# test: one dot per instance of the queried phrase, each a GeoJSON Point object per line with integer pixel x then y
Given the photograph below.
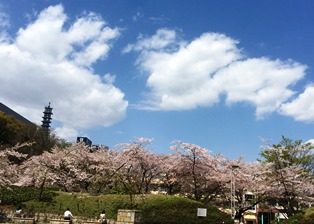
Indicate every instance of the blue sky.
{"type": "Point", "coordinates": [219, 74]}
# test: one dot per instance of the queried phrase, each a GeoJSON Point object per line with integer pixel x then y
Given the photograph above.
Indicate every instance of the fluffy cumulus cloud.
{"type": "Point", "coordinates": [181, 74]}
{"type": "Point", "coordinates": [262, 82]}
{"type": "Point", "coordinates": [184, 75]}
{"type": "Point", "coordinates": [301, 108]}
{"type": "Point", "coordinates": [48, 61]}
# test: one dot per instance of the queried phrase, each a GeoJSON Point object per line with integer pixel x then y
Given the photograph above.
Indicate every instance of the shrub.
{"type": "Point", "coordinates": [304, 217]}
{"type": "Point", "coordinates": [84, 205]}
{"type": "Point", "coordinates": [156, 209]}
{"type": "Point", "coordinates": [17, 195]}
{"type": "Point", "coordinates": [173, 210]}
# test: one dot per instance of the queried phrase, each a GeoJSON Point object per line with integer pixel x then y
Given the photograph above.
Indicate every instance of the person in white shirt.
{"type": "Point", "coordinates": [102, 216]}
{"type": "Point", "coordinates": [18, 212]}
{"type": "Point", "coordinates": [67, 215]}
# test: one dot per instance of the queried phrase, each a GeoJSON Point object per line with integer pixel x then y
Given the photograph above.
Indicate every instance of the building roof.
{"type": "Point", "coordinates": [9, 111]}
{"type": "Point", "coordinates": [250, 217]}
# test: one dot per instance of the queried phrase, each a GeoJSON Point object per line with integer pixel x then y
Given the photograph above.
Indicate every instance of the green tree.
{"type": "Point", "coordinates": [10, 129]}
{"type": "Point", "coordinates": [289, 152]}
{"type": "Point", "coordinates": [290, 176]}
{"type": "Point", "coordinates": [13, 132]}
{"type": "Point", "coordinates": [41, 141]}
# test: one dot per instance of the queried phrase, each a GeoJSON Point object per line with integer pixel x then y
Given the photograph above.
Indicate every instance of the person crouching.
{"type": "Point", "coordinates": [68, 215]}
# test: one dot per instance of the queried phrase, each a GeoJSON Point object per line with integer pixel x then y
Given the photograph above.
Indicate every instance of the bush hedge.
{"type": "Point", "coordinates": [17, 195]}
{"type": "Point", "coordinates": [156, 209]}
{"type": "Point", "coordinates": [305, 217]}
{"type": "Point", "coordinates": [171, 210]}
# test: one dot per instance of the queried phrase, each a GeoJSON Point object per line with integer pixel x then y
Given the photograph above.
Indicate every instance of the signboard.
{"type": "Point", "coordinates": [202, 212]}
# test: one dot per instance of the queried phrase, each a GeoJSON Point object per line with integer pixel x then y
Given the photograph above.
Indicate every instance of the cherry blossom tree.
{"type": "Point", "coordinates": [8, 169]}
{"type": "Point", "coordinates": [149, 169]}
{"type": "Point", "coordinates": [169, 177]}
{"type": "Point", "coordinates": [105, 166]}
{"type": "Point", "coordinates": [78, 167]}
{"type": "Point", "coordinates": [249, 179]}
{"type": "Point", "coordinates": [141, 166]}
{"type": "Point", "coordinates": [286, 174]}
{"type": "Point", "coordinates": [200, 174]}
{"type": "Point", "coordinates": [69, 168]}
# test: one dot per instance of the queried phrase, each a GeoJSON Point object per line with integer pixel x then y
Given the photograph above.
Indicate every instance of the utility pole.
{"type": "Point", "coordinates": [232, 191]}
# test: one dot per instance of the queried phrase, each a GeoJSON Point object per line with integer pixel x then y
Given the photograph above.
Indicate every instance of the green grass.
{"type": "Point", "coordinates": [156, 209]}
{"type": "Point", "coordinates": [159, 209]}
{"type": "Point", "coordinates": [81, 204]}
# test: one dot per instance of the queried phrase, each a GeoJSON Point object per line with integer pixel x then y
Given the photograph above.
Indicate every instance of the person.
{"type": "Point", "coordinates": [18, 212]}
{"type": "Point", "coordinates": [102, 217]}
{"type": "Point", "coordinates": [67, 215]}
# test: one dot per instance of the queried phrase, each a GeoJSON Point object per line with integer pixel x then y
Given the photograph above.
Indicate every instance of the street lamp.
{"type": "Point", "coordinates": [232, 189]}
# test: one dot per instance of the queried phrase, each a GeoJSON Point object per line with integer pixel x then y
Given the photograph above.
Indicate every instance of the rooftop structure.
{"type": "Point", "coordinates": [8, 111]}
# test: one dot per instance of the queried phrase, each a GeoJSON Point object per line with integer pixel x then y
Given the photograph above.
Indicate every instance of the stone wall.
{"type": "Point", "coordinates": [24, 220]}
{"type": "Point", "coordinates": [124, 217]}
{"type": "Point", "coordinates": [128, 217]}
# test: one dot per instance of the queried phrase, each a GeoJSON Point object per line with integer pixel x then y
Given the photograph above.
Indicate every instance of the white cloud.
{"type": "Point", "coordinates": [301, 108]}
{"type": "Point", "coordinates": [4, 24]}
{"type": "Point", "coordinates": [185, 75]}
{"type": "Point", "coordinates": [259, 81]}
{"type": "Point", "coordinates": [86, 41]}
{"type": "Point", "coordinates": [48, 62]}
{"type": "Point", "coordinates": [4, 20]}
{"type": "Point", "coordinates": [162, 39]}
{"type": "Point", "coordinates": [44, 39]}
{"type": "Point", "coordinates": [109, 78]}
{"type": "Point", "coordinates": [66, 133]}
{"type": "Point", "coordinates": [183, 79]}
